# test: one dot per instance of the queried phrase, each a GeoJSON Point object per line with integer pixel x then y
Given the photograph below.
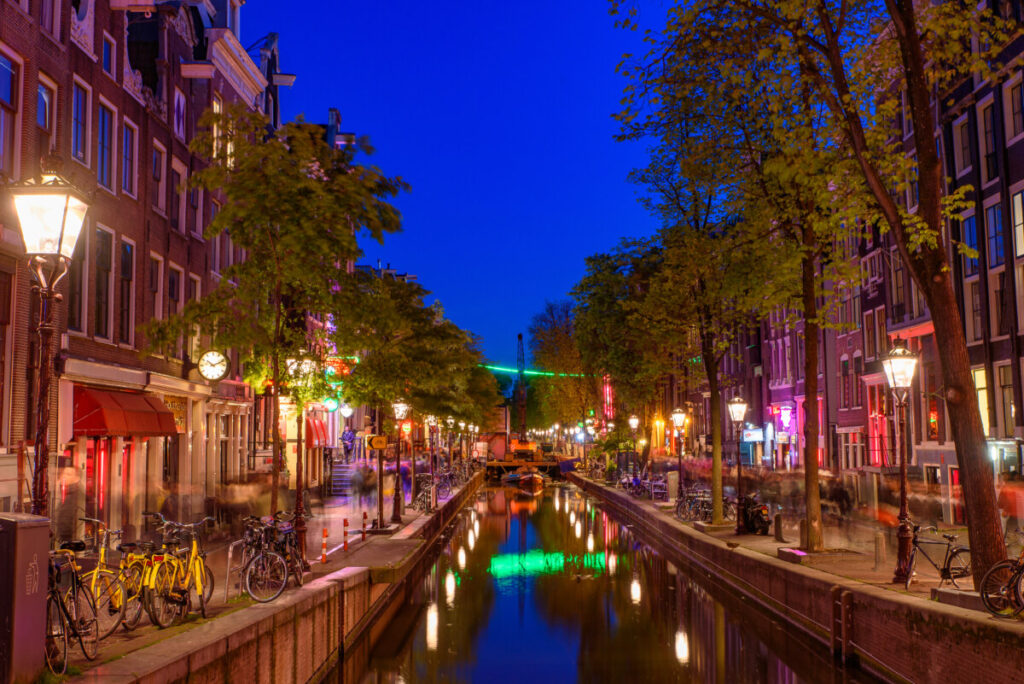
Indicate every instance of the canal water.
{"type": "Point", "coordinates": [551, 588]}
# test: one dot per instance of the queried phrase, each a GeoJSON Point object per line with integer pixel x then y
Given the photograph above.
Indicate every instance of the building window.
{"type": "Point", "coordinates": [218, 109]}
{"type": "Point", "coordinates": [126, 294]}
{"type": "Point", "coordinates": [195, 202]}
{"type": "Point", "coordinates": [179, 204]}
{"type": "Point", "coordinates": [109, 50]}
{"type": "Point", "coordinates": [129, 173]}
{"type": "Point", "coordinates": [101, 292]}
{"type": "Point", "coordinates": [869, 334]}
{"type": "Point", "coordinates": [971, 242]}
{"type": "Point", "coordinates": [194, 285]}
{"type": "Point", "coordinates": [45, 102]}
{"type": "Point", "coordinates": [1017, 216]}
{"type": "Point", "coordinates": [1016, 118]}
{"type": "Point", "coordinates": [175, 279]}
{"type": "Point", "coordinates": [1000, 317]}
{"type": "Point", "coordinates": [981, 385]}
{"type": "Point", "coordinates": [858, 385]}
{"type": "Point", "coordinates": [974, 291]}
{"type": "Point", "coordinates": [159, 179]}
{"type": "Point", "coordinates": [49, 17]}
{"type": "Point", "coordinates": [844, 401]}
{"type": "Point", "coordinates": [994, 226]}
{"type": "Point", "coordinates": [989, 133]}
{"type": "Point", "coordinates": [79, 123]}
{"type": "Point", "coordinates": [1006, 399]}
{"type": "Point", "coordinates": [179, 114]}
{"type": "Point", "coordinates": [156, 286]}
{"type": "Point", "coordinates": [8, 113]}
{"type": "Point", "coordinates": [105, 148]}
{"type": "Point", "coordinates": [963, 140]}
{"type": "Point", "coordinates": [76, 285]}
{"type": "Point", "coordinates": [898, 286]}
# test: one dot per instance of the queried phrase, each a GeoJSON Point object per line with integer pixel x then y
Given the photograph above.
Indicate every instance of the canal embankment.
{"type": "Point", "coordinates": [889, 633]}
{"type": "Point", "coordinates": [305, 632]}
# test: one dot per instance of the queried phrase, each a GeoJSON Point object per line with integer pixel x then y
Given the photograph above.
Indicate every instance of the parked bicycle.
{"type": "Point", "coordinates": [1002, 587]}
{"type": "Point", "coordinates": [286, 543]}
{"type": "Point", "coordinates": [110, 589]}
{"type": "Point", "coordinates": [425, 485]}
{"type": "Point", "coordinates": [70, 613]}
{"type": "Point", "coordinates": [180, 576]}
{"type": "Point", "coordinates": [264, 570]}
{"type": "Point", "coordinates": [956, 562]}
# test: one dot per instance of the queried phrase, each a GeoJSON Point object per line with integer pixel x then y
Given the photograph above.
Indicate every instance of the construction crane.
{"type": "Point", "coordinates": [521, 388]}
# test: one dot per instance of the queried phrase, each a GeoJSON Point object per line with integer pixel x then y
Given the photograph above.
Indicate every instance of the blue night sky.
{"type": "Point", "coordinates": [499, 116]}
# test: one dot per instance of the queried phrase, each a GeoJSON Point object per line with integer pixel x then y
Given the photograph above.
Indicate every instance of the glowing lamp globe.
{"type": "Point", "coordinates": [634, 422]}
{"type": "Point", "coordinates": [401, 409]}
{"type": "Point", "coordinates": [899, 366]}
{"type": "Point", "coordinates": [331, 404]}
{"type": "Point", "coordinates": [346, 411]}
{"type": "Point", "coordinates": [678, 418]}
{"type": "Point", "coordinates": [450, 421]}
{"type": "Point", "coordinates": [51, 213]}
{"type": "Point", "coordinates": [737, 409]}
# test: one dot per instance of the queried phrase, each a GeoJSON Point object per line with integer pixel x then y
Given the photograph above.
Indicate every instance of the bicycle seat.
{"type": "Point", "coordinates": [285, 527]}
{"type": "Point", "coordinates": [950, 537]}
{"type": "Point", "coordinates": [127, 547]}
{"type": "Point", "coordinates": [75, 545]}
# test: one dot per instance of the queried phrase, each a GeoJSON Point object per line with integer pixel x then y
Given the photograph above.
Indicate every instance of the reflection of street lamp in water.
{"type": "Point", "coordinates": [634, 591]}
{"type": "Point", "coordinates": [432, 627]}
{"type": "Point", "coordinates": [462, 559]}
{"type": "Point", "coordinates": [682, 647]}
{"type": "Point", "coordinates": [449, 588]}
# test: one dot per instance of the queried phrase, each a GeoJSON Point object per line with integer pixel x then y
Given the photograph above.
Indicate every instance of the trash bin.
{"type": "Point", "coordinates": [24, 554]}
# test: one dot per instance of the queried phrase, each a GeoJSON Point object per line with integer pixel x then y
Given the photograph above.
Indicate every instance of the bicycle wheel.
{"type": "Point", "coordinates": [201, 599]}
{"type": "Point", "coordinates": [728, 510]}
{"type": "Point", "coordinates": [997, 594]}
{"type": "Point", "coordinates": [265, 576]}
{"type": "Point", "coordinates": [82, 608]}
{"type": "Point", "coordinates": [960, 567]}
{"type": "Point", "coordinates": [56, 636]}
{"type": "Point", "coordinates": [910, 568]}
{"type": "Point", "coordinates": [166, 601]}
{"type": "Point", "coordinates": [109, 596]}
{"type": "Point", "coordinates": [444, 489]}
{"type": "Point", "coordinates": [132, 581]}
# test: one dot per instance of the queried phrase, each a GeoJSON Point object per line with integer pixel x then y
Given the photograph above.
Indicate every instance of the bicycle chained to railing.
{"type": "Point", "coordinates": [425, 486]}
{"type": "Point", "coordinates": [956, 562]}
{"type": "Point", "coordinates": [695, 504]}
{"type": "Point", "coordinates": [1002, 587]}
{"type": "Point", "coordinates": [179, 577]}
{"type": "Point", "coordinates": [70, 613]}
{"type": "Point", "coordinates": [264, 570]}
{"type": "Point", "coordinates": [286, 543]}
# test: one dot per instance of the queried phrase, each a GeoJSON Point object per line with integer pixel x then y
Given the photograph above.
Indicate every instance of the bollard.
{"type": "Point", "coordinates": [345, 537]}
{"type": "Point", "coordinates": [880, 550]}
{"type": "Point", "coordinates": [364, 526]}
{"type": "Point", "coordinates": [803, 533]}
{"type": "Point", "coordinates": [778, 528]}
{"type": "Point", "coordinates": [323, 548]}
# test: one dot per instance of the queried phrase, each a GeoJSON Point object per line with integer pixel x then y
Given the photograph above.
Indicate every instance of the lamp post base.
{"type": "Point", "coordinates": [904, 543]}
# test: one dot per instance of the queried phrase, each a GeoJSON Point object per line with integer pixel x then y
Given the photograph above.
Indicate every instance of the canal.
{"type": "Point", "coordinates": [552, 588]}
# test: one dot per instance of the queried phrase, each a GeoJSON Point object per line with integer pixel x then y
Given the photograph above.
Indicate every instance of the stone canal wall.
{"type": "Point", "coordinates": [894, 635]}
{"type": "Point", "coordinates": [297, 638]}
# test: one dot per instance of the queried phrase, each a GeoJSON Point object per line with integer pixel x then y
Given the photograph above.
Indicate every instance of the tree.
{"type": "Point", "coordinates": [856, 64]}
{"type": "Point", "coordinates": [565, 397]}
{"type": "Point", "coordinates": [294, 206]}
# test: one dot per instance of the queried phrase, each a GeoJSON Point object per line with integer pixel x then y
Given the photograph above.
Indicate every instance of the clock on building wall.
{"type": "Point", "coordinates": [213, 365]}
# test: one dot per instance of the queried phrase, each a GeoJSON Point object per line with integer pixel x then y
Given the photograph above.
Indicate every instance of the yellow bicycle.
{"type": "Point", "coordinates": [178, 578]}
{"type": "Point", "coordinates": [118, 591]}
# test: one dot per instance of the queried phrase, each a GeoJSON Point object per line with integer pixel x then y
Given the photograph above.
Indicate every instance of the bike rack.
{"type": "Point", "coordinates": [230, 570]}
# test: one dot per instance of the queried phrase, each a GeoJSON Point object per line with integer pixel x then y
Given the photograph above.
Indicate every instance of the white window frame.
{"type": "Point", "coordinates": [83, 313]}
{"type": "Point", "coordinates": [158, 314]}
{"type": "Point", "coordinates": [993, 281]}
{"type": "Point", "coordinates": [87, 141]}
{"type": "Point", "coordinates": [110, 284]}
{"type": "Point", "coordinates": [134, 194]}
{"type": "Point", "coordinates": [983, 104]}
{"type": "Point", "coordinates": [52, 32]}
{"type": "Point", "coordinates": [958, 124]}
{"type": "Point", "coordinates": [49, 83]}
{"type": "Point", "coordinates": [973, 336]}
{"type": "Point", "coordinates": [1008, 109]}
{"type": "Point", "coordinates": [183, 133]}
{"type": "Point", "coordinates": [109, 40]}
{"type": "Point", "coordinates": [178, 166]}
{"type": "Point", "coordinates": [19, 110]}
{"type": "Point", "coordinates": [130, 344]}
{"type": "Point", "coordinates": [194, 278]}
{"type": "Point", "coordinates": [161, 206]}
{"type": "Point", "coordinates": [114, 128]}
{"type": "Point", "coordinates": [171, 266]}
{"type": "Point", "coordinates": [198, 215]}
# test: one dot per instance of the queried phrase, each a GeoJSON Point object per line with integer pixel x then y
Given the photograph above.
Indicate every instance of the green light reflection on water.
{"type": "Point", "coordinates": [538, 562]}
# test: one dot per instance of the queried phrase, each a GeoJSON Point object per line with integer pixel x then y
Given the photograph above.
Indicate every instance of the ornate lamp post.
{"type": "Point", "coordinates": [462, 440]}
{"type": "Point", "coordinates": [737, 411]}
{"type": "Point", "coordinates": [899, 367]}
{"type": "Point", "coordinates": [299, 371]}
{"type": "Point", "coordinates": [51, 213]}
{"type": "Point", "coordinates": [401, 410]}
{"type": "Point", "coordinates": [634, 423]}
{"type": "Point", "coordinates": [679, 421]}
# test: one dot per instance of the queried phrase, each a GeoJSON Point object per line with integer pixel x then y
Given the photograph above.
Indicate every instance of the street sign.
{"type": "Point", "coordinates": [379, 442]}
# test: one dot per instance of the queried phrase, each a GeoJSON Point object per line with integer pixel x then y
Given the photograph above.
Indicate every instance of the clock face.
{"type": "Point", "coordinates": [213, 365]}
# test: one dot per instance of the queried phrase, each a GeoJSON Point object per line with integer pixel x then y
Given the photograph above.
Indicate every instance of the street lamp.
{"type": "Point", "coordinates": [634, 423]}
{"type": "Point", "coordinates": [679, 421]}
{"type": "Point", "coordinates": [345, 411]}
{"type": "Point", "coordinates": [51, 212]}
{"type": "Point", "coordinates": [737, 411]}
{"type": "Point", "coordinates": [401, 410]}
{"type": "Point", "coordinates": [899, 366]}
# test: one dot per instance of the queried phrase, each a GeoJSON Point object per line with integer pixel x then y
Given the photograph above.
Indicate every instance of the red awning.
{"type": "Point", "coordinates": [312, 434]}
{"type": "Point", "coordinates": [323, 432]}
{"type": "Point", "coordinates": [99, 413]}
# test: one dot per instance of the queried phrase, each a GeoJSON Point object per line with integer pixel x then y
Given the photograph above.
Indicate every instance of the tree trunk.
{"type": "Point", "coordinates": [984, 526]}
{"type": "Point", "coordinates": [377, 430]}
{"type": "Point", "coordinates": [275, 470]}
{"type": "Point", "coordinates": [300, 486]}
{"type": "Point", "coordinates": [707, 352]}
{"type": "Point", "coordinates": [815, 537]}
